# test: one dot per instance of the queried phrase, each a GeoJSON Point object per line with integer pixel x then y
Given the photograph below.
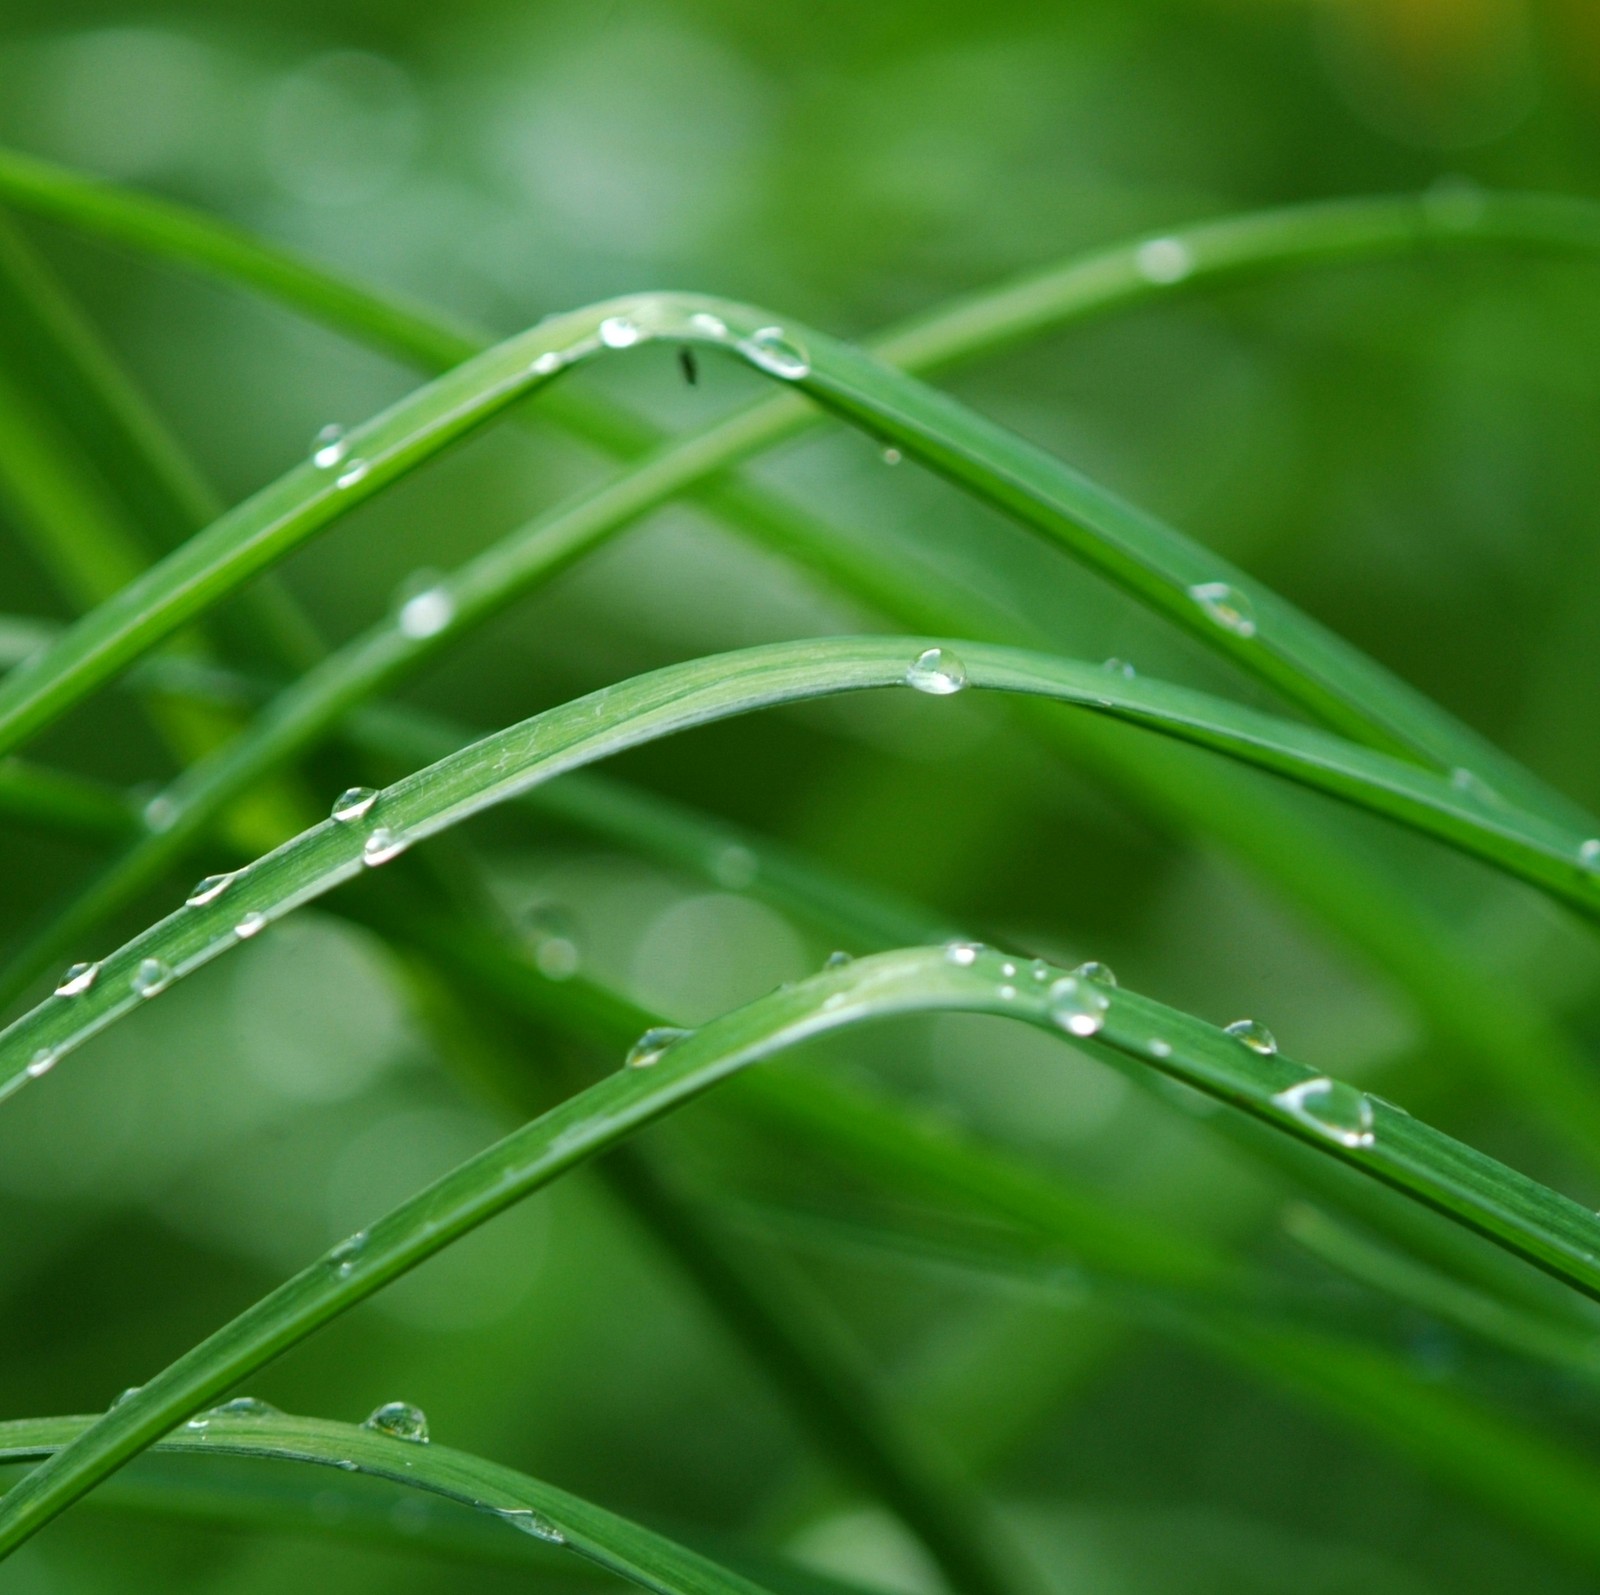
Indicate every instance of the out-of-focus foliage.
{"type": "Point", "coordinates": [1406, 449]}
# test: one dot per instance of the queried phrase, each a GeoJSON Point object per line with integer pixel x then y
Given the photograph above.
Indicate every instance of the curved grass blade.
{"type": "Point", "coordinates": [681, 696]}
{"type": "Point", "coordinates": [526, 1504]}
{"type": "Point", "coordinates": [1382, 1141]}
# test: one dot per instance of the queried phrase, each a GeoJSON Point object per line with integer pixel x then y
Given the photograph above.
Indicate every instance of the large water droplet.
{"type": "Point", "coordinates": [527, 1521]}
{"type": "Point", "coordinates": [353, 804]}
{"type": "Point", "coordinates": [424, 606]}
{"type": "Point", "coordinates": [1331, 1108]}
{"type": "Point", "coordinates": [328, 447]}
{"type": "Point", "coordinates": [209, 890]}
{"type": "Point", "coordinates": [936, 671]}
{"type": "Point", "coordinates": [1227, 606]}
{"type": "Point", "coordinates": [1163, 260]}
{"type": "Point", "coordinates": [352, 473]}
{"type": "Point", "coordinates": [344, 1257]}
{"type": "Point", "coordinates": [1078, 1006]}
{"type": "Point", "coordinates": [151, 978]}
{"type": "Point", "coordinates": [776, 353]}
{"type": "Point", "coordinates": [400, 1421]}
{"type": "Point", "coordinates": [77, 980]}
{"type": "Point", "coordinates": [652, 1046]}
{"type": "Point", "coordinates": [1589, 855]}
{"type": "Point", "coordinates": [245, 1407]}
{"type": "Point", "coordinates": [251, 924]}
{"type": "Point", "coordinates": [1253, 1034]}
{"type": "Point", "coordinates": [620, 332]}
{"type": "Point", "coordinates": [382, 846]}
{"type": "Point", "coordinates": [1093, 969]}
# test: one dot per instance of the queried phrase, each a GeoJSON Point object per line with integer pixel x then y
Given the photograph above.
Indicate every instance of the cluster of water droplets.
{"type": "Point", "coordinates": [400, 1421]}
{"type": "Point", "coordinates": [330, 451]}
{"type": "Point", "coordinates": [351, 807]}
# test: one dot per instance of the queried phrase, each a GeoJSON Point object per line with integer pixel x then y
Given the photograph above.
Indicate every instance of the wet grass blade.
{"type": "Point", "coordinates": [525, 1504]}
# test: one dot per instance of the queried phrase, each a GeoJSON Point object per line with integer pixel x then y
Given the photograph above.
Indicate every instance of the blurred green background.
{"type": "Point", "coordinates": [1406, 449]}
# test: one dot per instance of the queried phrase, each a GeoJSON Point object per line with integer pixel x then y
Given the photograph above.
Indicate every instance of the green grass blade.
{"type": "Point", "coordinates": [526, 1504]}
{"type": "Point", "coordinates": [59, 801]}
{"type": "Point", "coordinates": [681, 696]}
{"type": "Point", "coordinates": [1384, 1142]}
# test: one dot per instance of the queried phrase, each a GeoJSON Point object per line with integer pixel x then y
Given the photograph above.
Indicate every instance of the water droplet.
{"type": "Point", "coordinates": [353, 804]}
{"type": "Point", "coordinates": [160, 813]}
{"type": "Point", "coordinates": [1078, 1006]}
{"type": "Point", "coordinates": [1253, 1034]}
{"type": "Point", "coordinates": [328, 447]}
{"type": "Point", "coordinates": [423, 606]}
{"type": "Point", "coordinates": [527, 1521]}
{"type": "Point", "coordinates": [1472, 785]}
{"type": "Point", "coordinates": [1331, 1108]}
{"type": "Point", "coordinates": [735, 867]}
{"type": "Point", "coordinates": [1589, 855]}
{"type": "Point", "coordinates": [400, 1421]}
{"type": "Point", "coordinates": [151, 978]}
{"type": "Point", "coordinates": [352, 473]}
{"type": "Point", "coordinates": [620, 332]}
{"type": "Point", "coordinates": [936, 671]}
{"type": "Point", "coordinates": [964, 953]}
{"type": "Point", "coordinates": [652, 1046]}
{"type": "Point", "coordinates": [709, 325]}
{"type": "Point", "coordinates": [382, 846]}
{"type": "Point", "coordinates": [1120, 667]}
{"type": "Point", "coordinates": [198, 1423]}
{"type": "Point", "coordinates": [127, 1395]}
{"type": "Point", "coordinates": [548, 363]}
{"type": "Point", "coordinates": [1230, 608]}
{"type": "Point", "coordinates": [892, 456]}
{"type": "Point", "coordinates": [42, 1062]}
{"type": "Point", "coordinates": [1160, 1048]}
{"type": "Point", "coordinates": [1093, 969]}
{"type": "Point", "coordinates": [77, 980]}
{"type": "Point", "coordinates": [1040, 970]}
{"type": "Point", "coordinates": [347, 1253]}
{"type": "Point", "coordinates": [837, 960]}
{"type": "Point", "coordinates": [1008, 970]}
{"type": "Point", "coordinates": [251, 924]}
{"type": "Point", "coordinates": [347, 1465]}
{"type": "Point", "coordinates": [245, 1407]}
{"type": "Point", "coordinates": [776, 354]}
{"type": "Point", "coordinates": [209, 890]}
{"type": "Point", "coordinates": [1163, 260]}
{"type": "Point", "coordinates": [1008, 993]}
{"type": "Point", "coordinates": [555, 941]}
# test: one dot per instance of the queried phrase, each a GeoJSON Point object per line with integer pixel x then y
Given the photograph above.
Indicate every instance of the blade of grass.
{"type": "Point", "coordinates": [613, 1543]}
{"type": "Point", "coordinates": [1384, 1142]}
{"type": "Point", "coordinates": [60, 801]}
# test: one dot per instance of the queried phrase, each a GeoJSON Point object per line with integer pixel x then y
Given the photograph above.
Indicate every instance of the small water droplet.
{"type": "Point", "coordinates": [527, 1521]}
{"type": "Point", "coordinates": [42, 1062]}
{"type": "Point", "coordinates": [708, 325]}
{"type": "Point", "coordinates": [151, 978]}
{"type": "Point", "coordinates": [1093, 969]}
{"type": "Point", "coordinates": [964, 953]}
{"type": "Point", "coordinates": [548, 363]}
{"type": "Point", "coordinates": [353, 804]}
{"type": "Point", "coordinates": [77, 980]}
{"type": "Point", "coordinates": [382, 846]}
{"type": "Point", "coordinates": [1040, 970]}
{"type": "Point", "coordinates": [328, 447]}
{"type": "Point", "coordinates": [344, 1257]}
{"type": "Point", "coordinates": [352, 473]}
{"type": "Point", "coordinates": [837, 960]}
{"type": "Point", "coordinates": [209, 890]}
{"type": "Point", "coordinates": [198, 1423]}
{"type": "Point", "coordinates": [620, 332]}
{"type": "Point", "coordinates": [127, 1395]}
{"type": "Point", "coordinates": [1008, 993]}
{"type": "Point", "coordinates": [892, 455]}
{"type": "Point", "coordinates": [652, 1046]}
{"type": "Point", "coordinates": [347, 1465]}
{"type": "Point", "coordinates": [1163, 260]}
{"type": "Point", "coordinates": [936, 671]}
{"type": "Point", "coordinates": [1253, 1034]}
{"type": "Point", "coordinates": [1331, 1108]}
{"type": "Point", "coordinates": [1160, 1048]}
{"type": "Point", "coordinates": [160, 813]}
{"type": "Point", "coordinates": [735, 867]}
{"type": "Point", "coordinates": [1471, 784]}
{"type": "Point", "coordinates": [1008, 970]}
{"type": "Point", "coordinates": [245, 1407]}
{"type": "Point", "coordinates": [1227, 606]}
{"type": "Point", "coordinates": [1589, 855]}
{"type": "Point", "coordinates": [251, 924]}
{"type": "Point", "coordinates": [400, 1421]}
{"type": "Point", "coordinates": [423, 606]}
{"type": "Point", "coordinates": [776, 354]}
{"type": "Point", "coordinates": [1078, 1006]}
{"type": "Point", "coordinates": [1120, 667]}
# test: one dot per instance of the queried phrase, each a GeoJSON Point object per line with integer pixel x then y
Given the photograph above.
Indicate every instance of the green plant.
{"type": "Point", "coordinates": [1377, 745]}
